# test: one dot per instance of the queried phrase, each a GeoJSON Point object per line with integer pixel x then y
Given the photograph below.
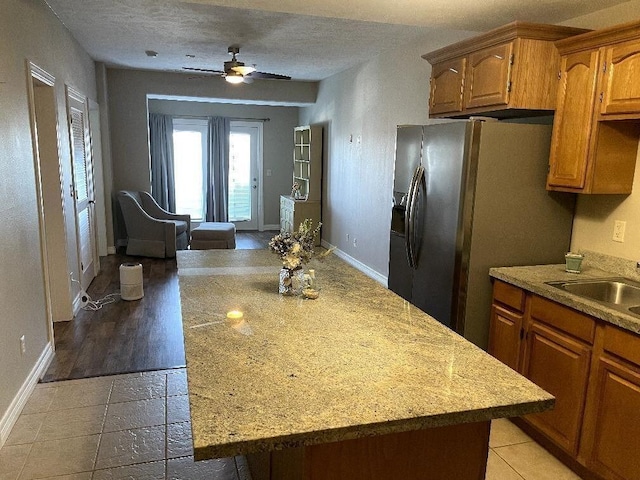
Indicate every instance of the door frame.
{"type": "Point", "coordinates": [34, 73]}
{"type": "Point", "coordinates": [259, 164]}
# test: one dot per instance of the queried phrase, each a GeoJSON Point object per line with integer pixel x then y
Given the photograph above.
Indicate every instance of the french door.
{"type": "Point", "coordinates": [245, 161]}
{"type": "Point", "coordinates": [83, 193]}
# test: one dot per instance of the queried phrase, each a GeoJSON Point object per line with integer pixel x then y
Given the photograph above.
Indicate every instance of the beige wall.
{"type": "Point", "coordinates": [360, 109]}
{"type": "Point", "coordinates": [127, 95]}
{"type": "Point", "coordinates": [28, 30]}
{"type": "Point", "coordinates": [596, 214]}
{"type": "Point", "coordinates": [277, 140]}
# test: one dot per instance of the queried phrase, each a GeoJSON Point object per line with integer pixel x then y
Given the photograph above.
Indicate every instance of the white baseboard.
{"type": "Point", "coordinates": [77, 304]}
{"type": "Point", "coordinates": [111, 250]}
{"type": "Point", "coordinates": [369, 272]}
{"type": "Point", "coordinates": [10, 417]}
{"type": "Point", "coordinates": [275, 226]}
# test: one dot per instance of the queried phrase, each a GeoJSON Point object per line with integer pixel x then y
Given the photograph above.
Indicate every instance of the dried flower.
{"type": "Point", "coordinates": [296, 249]}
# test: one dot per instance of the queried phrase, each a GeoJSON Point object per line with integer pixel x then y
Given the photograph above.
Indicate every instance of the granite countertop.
{"type": "Point", "coordinates": [358, 361]}
{"type": "Point", "coordinates": [534, 278]}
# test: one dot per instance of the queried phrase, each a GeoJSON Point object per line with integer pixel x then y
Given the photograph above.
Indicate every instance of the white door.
{"type": "Point", "coordinates": [245, 160]}
{"type": "Point", "coordinates": [82, 186]}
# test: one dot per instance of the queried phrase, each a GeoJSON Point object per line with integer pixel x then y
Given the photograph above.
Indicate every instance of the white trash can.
{"type": "Point", "coordinates": [131, 281]}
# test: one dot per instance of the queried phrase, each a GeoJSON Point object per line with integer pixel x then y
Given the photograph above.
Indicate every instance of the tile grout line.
{"type": "Point", "coordinates": [104, 421]}
{"type": "Point", "coordinates": [505, 460]}
{"type": "Point", "coordinates": [24, 464]}
{"type": "Point", "coordinates": [166, 426]}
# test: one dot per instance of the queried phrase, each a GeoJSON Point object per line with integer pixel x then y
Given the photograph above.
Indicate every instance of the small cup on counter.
{"type": "Point", "coordinates": [573, 262]}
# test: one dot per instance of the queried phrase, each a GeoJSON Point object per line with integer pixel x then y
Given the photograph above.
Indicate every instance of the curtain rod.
{"type": "Point", "coordinates": [237, 119]}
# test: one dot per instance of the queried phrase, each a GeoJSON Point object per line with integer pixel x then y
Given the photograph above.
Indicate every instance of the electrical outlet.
{"type": "Point", "coordinates": [23, 345]}
{"type": "Point", "coordinates": [618, 231]}
{"type": "Point", "coordinates": [355, 242]}
{"type": "Point", "coordinates": [269, 172]}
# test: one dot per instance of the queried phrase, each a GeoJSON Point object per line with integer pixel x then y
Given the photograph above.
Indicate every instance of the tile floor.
{"type": "Point", "coordinates": [136, 426]}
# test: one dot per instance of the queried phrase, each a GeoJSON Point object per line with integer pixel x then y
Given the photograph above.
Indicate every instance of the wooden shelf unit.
{"type": "Point", "coordinates": [307, 173]}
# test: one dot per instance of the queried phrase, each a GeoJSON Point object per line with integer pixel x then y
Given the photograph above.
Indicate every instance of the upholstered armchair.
{"type": "Point", "coordinates": [151, 230]}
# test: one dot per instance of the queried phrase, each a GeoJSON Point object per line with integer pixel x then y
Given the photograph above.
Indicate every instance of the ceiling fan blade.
{"type": "Point", "coordinates": [268, 75]}
{"type": "Point", "coordinates": [217, 72]}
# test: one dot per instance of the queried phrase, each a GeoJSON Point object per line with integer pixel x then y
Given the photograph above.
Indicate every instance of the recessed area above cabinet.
{"type": "Point", "coordinates": [508, 72]}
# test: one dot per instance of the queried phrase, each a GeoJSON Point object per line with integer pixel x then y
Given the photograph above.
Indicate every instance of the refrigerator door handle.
{"type": "Point", "coordinates": [410, 225]}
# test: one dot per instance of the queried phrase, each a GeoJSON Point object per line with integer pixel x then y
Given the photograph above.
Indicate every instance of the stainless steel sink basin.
{"type": "Point", "coordinates": [616, 292]}
{"type": "Point", "coordinates": [619, 293]}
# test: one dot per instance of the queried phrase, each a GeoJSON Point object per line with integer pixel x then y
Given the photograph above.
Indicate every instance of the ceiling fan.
{"type": "Point", "coordinates": [235, 71]}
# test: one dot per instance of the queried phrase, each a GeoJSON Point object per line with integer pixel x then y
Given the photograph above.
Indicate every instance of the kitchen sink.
{"type": "Point", "coordinates": [619, 293]}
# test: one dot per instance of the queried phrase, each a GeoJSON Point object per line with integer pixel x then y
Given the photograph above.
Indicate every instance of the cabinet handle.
{"type": "Point", "coordinates": [601, 96]}
{"type": "Point", "coordinates": [453, 70]}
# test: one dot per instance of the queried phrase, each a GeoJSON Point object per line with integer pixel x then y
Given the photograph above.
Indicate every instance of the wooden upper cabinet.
{"type": "Point", "coordinates": [573, 120]}
{"type": "Point", "coordinates": [597, 124]}
{"type": "Point", "coordinates": [620, 82]}
{"type": "Point", "coordinates": [488, 80]}
{"type": "Point", "coordinates": [447, 81]}
{"type": "Point", "coordinates": [507, 72]}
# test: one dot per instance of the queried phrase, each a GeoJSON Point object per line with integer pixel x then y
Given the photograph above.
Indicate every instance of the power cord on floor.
{"type": "Point", "coordinates": [89, 304]}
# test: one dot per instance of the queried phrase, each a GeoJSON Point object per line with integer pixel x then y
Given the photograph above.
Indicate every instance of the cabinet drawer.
{"type": "Point", "coordinates": [622, 343]}
{"type": "Point", "coordinates": [563, 318]}
{"type": "Point", "coordinates": [509, 295]}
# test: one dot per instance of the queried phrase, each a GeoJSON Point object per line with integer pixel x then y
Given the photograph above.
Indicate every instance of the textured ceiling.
{"type": "Point", "coordinates": [307, 40]}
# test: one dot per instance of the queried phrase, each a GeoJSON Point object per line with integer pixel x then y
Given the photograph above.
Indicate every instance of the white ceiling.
{"type": "Point", "coordinates": [305, 39]}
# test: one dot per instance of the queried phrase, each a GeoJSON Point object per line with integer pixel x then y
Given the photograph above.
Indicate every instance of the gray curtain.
{"type": "Point", "coordinates": [161, 149]}
{"type": "Point", "coordinates": [217, 171]}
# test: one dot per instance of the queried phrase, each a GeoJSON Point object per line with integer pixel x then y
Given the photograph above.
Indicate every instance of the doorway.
{"type": "Point", "coordinates": [245, 175]}
{"type": "Point", "coordinates": [49, 191]}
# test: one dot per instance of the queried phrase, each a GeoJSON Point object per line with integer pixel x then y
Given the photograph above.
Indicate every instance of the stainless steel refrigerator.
{"type": "Point", "coordinates": [468, 196]}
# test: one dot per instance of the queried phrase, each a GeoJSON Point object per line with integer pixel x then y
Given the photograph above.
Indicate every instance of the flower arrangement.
{"type": "Point", "coordinates": [296, 249]}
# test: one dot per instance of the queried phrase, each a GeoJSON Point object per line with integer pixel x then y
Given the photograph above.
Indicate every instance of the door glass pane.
{"type": "Point", "coordinates": [188, 172]}
{"type": "Point", "coordinates": [239, 177]}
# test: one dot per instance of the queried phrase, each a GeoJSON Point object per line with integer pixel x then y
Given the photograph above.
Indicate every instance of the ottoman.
{"type": "Point", "coordinates": [213, 235]}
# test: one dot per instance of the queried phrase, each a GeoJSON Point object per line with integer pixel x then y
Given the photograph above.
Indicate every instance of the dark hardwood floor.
{"type": "Point", "coordinates": [126, 336]}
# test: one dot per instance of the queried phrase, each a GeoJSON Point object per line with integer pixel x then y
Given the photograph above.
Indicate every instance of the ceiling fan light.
{"type": "Point", "coordinates": [234, 78]}
{"type": "Point", "coordinates": [242, 70]}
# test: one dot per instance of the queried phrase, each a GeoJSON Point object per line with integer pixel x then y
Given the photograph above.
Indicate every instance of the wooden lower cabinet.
{"type": "Point", "coordinates": [560, 365]}
{"type": "Point", "coordinates": [457, 452]}
{"type": "Point", "coordinates": [611, 439]}
{"type": "Point", "coordinates": [504, 339]}
{"type": "Point", "coordinates": [593, 370]}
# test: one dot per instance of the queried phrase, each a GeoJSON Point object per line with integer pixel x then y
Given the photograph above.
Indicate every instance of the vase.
{"type": "Point", "coordinates": [291, 281]}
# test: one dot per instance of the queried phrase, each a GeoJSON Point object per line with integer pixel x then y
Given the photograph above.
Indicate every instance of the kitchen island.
{"type": "Point", "coordinates": [355, 384]}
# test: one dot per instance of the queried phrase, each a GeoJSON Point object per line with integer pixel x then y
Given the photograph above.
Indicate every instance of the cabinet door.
{"type": "Point", "coordinates": [573, 120]}
{"type": "Point", "coordinates": [620, 85]}
{"type": "Point", "coordinates": [616, 437]}
{"type": "Point", "coordinates": [487, 81]}
{"type": "Point", "coordinates": [560, 365]}
{"type": "Point", "coordinates": [447, 80]}
{"type": "Point", "coordinates": [504, 335]}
